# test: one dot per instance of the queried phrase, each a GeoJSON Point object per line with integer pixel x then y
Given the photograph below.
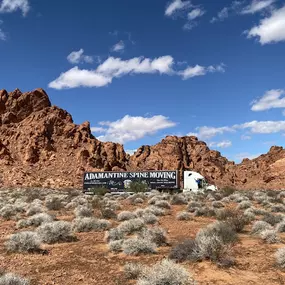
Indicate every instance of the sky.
{"type": "Point", "coordinates": [141, 70]}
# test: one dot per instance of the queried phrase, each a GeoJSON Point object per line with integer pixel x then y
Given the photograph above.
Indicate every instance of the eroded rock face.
{"type": "Point", "coordinates": [41, 146]}
{"type": "Point", "coordinates": [187, 153]}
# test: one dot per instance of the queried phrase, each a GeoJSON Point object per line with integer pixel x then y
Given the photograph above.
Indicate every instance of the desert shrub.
{"type": "Point", "coordinates": [149, 218]}
{"type": "Point", "coordinates": [139, 212]}
{"type": "Point", "coordinates": [260, 226]}
{"type": "Point", "coordinates": [99, 191]}
{"type": "Point", "coordinates": [222, 229]}
{"type": "Point", "coordinates": [226, 262]}
{"type": "Point", "coordinates": [53, 202]}
{"type": "Point", "coordinates": [258, 211]}
{"type": "Point", "coordinates": [248, 213]}
{"type": "Point", "coordinates": [138, 201]}
{"type": "Point", "coordinates": [59, 231]}
{"type": "Point", "coordinates": [280, 227]}
{"type": "Point", "coordinates": [12, 279]}
{"type": "Point", "coordinates": [204, 211]}
{"type": "Point", "coordinates": [226, 200]}
{"type": "Point", "coordinates": [280, 257]}
{"type": "Point", "coordinates": [88, 224]}
{"type": "Point", "coordinates": [116, 245]}
{"type": "Point", "coordinates": [126, 215]}
{"type": "Point", "coordinates": [278, 208]}
{"type": "Point", "coordinates": [162, 204]}
{"type": "Point", "coordinates": [131, 226]}
{"type": "Point", "coordinates": [178, 199]}
{"type": "Point", "coordinates": [22, 224]}
{"type": "Point", "coordinates": [34, 209]}
{"type": "Point", "coordinates": [192, 206]}
{"type": "Point", "coordinates": [83, 211]}
{"type": "Point", "coordinates": [114, 234]}
{"type": "Point", "coordinates": [218, 204]}
{"type": "Point", "coordinates": [183, 216]}
{"type": "Point", "coordinates": [137, 246]}
{"type": "Point", "coordinates": [38, 219]}
{"type": "Point", "coordinates": [269, 236]}
{"type": "Point", "coordinates": [211, 246]}
{"type": "Point", "coordinates": [108, 213]}
{"type": "Point", "coordinates": [236, 197]}
{"type": "Point", "coordinates": [244, 205]}
{"type": "Point", "coordinates": [138, 187]}
{"type": "Point", "coordinates": [272, 219]}
{"type": "Point", "coordinates": [155, 210]}
{"type": "Point", "coordinates": [133, 270]}
{"type": "Point", "coordinates": [165, 272]}
{"type": "Point", "coordinates": [153, 200]}
{"type": "Point", "coordinates": [155, 235]}
{"type": "Point", "coordinates": [227, 191]}
{"type": "Point", "coordinates": [233, 217]}
{"type": "Point", "coordinates": [186, 250]}
{"type": "Point", "coordinates": [7, 212]}
{"type": "Point", "coordinates": [23, 242]}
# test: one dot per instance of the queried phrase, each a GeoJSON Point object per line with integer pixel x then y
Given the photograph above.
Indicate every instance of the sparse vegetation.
{"type": "Point", "coordinates": [183, 216]}
{"type": "Point", "coordinates": [12, 279]}
{"type": "Point", "coordinates": [165, 272]}
{"type": "Point", "coordinates": [87, 224]}
{"type": "Point", "coordinates": [280, 257]}
{"type": "Point", "coordinates": [54, 232]}
{"type": "Point", "coordinates": [137, 246]}
{"type": "Point", "coordinates": [23, 242]}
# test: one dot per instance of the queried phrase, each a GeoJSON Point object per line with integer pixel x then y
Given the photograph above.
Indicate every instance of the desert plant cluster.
{"type": "Point", "coordinates": [144, 232]}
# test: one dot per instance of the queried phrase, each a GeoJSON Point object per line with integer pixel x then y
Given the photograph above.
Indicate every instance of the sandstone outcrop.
{"type": "Point", "coordinates": [41, 146]}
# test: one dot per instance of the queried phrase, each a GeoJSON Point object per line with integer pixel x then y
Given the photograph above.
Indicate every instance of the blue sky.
{"type": "Point", "coordinates": [141, 70]}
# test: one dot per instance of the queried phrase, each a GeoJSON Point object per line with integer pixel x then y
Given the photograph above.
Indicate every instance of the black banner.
{"type": "Point", "coordinates": [116, 181]}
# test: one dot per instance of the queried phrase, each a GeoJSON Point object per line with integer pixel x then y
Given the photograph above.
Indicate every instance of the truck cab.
{"type": "Point", "coordinates": [195, 182]}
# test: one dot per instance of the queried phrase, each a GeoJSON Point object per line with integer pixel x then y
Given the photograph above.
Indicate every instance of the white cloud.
{"type": "Point", "coordinates": [257, 6]}
{"type": "Point", "coordinates": [245, 137]}
{"type": "Point", "coordinates": [175, 6]}
{"type": "Point", "coordinates": [98, 130]}
{"type": "Point", "coordinates": [222, 144]}
{"type": "Point", "coordinates": [263, 127]}
{"type": "Point", "coordinates": [130, 151]}
{"type": "Point", "coordinates": [254, 127]}
{"type": "Point", "coordinates": [195, 13]}
{"type": "Point", "coordinates": [76, 77]}
{"type": "Point", "coordinates": [119, 47]}
{"type": "Point", "coordinates": [2, 34]}
{"type": "Point", "coordinates": [77, 57]}
{"type": "Point", "coordinates": [271, 99]}
{"type": "Point", "coordinates": [210, 132]}
{"type": "Point", "coordinates": [226, 11]}
{"type": "Point", "coordinates": [116, 67]}
{"type": "Point", "coordinates": [270, 29]}
{"type": "Point", "coordinates": [199, 70]}
{"type": "Point", "coordinates": [243, 155]}
{"type": "Point", "coordinates": [133, 128]}
{"type": "Point", "coordinates": [9, 6]}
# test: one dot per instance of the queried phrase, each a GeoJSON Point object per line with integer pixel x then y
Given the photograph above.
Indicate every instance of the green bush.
{"type": "Point", "coordinates": [138, 187]}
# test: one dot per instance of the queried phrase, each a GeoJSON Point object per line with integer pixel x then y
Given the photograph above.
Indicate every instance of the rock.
{"type": "Point", "coordinates": [40, 145]}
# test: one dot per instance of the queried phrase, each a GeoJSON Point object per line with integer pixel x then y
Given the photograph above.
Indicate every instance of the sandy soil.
{"type": "Point", "coordinates": [88, 261]}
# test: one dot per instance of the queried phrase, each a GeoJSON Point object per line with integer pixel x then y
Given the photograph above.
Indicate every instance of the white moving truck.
{"type": "Point", "coordinates": [195, 182]}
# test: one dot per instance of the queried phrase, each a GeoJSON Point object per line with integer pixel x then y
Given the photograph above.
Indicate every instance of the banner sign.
{"type": "Point", "coordinates": [121, 180]}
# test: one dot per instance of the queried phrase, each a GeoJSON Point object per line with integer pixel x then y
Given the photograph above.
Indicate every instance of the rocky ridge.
{"type": "Point", "coordinates": [41, 146]}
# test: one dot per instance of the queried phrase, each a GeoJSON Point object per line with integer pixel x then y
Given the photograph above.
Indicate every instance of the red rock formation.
{"type": "Point", "coordinates": [41, 146]}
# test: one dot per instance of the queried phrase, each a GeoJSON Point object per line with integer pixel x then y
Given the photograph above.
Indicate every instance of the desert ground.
{"type": "Point", "coordinates": [51, 237]}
